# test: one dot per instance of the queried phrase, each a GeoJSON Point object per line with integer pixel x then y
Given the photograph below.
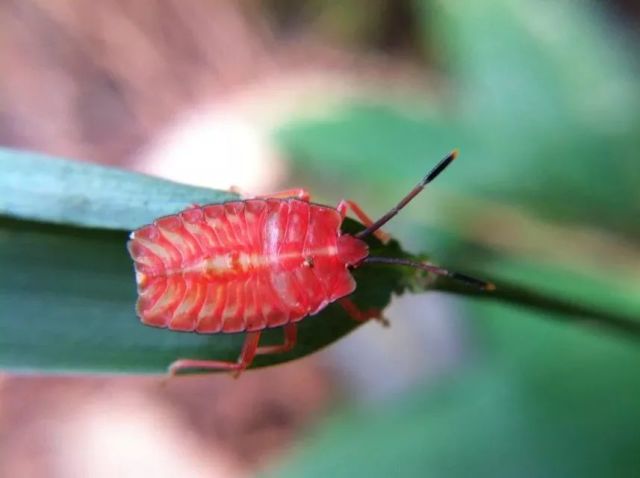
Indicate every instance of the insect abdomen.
{"type": "Point", "coordinates": [243, 265]}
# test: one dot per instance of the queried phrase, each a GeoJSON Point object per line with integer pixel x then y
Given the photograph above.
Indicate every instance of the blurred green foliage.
{"type": "Point", "coordinates": [544, 101]}
{"type": "Point", "coordinates": [557, 404]}
{"type": "Point", "coordinates": [543, 104]}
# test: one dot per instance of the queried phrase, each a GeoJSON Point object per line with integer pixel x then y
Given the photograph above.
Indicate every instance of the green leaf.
{"type": "Point", "coordinates": [67, 294]}
{"type": "Point", "coordinates": [369, 138]}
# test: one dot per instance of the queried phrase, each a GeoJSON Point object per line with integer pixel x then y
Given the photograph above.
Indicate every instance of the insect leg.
{"type": "Point", "coordinates": [290, 339]}
{"type": "Point", "coordinates": [298, 193]}
{"type": "Point", "coordinates": [347, 204]}
{"type": "Point", "coordinates": [362, 315]}
{"type": "Point", "coordinates": [249, 350]}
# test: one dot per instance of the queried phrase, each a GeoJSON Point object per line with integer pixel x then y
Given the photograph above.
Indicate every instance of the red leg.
{"type": "Point", "coordinates": [347, 204]}
{"type": "Point", "coordinates": [249, 350]}
{"type": "Point", "coordinates": [290, 339]}
{"type": "Point", "coordinates": [298, 193]}
{"type": "Point", "coordinates": [362, 315]}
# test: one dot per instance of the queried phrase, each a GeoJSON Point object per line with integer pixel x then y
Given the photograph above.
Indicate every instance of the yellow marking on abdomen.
{"type": "Point", "coordinates": [234, 264]}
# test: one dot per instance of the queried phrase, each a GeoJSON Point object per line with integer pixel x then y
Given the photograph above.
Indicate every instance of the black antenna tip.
{"type": "Point", "coordinates": [441, 166]}
{"type": "Point", "coordinates": [472, 281]}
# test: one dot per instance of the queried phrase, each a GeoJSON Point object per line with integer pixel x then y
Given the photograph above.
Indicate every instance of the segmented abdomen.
{"type": "Point", "coordinates": [242, 265]}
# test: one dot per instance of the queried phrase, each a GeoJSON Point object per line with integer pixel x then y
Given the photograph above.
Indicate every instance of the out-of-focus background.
{"type": "Point", "coordinates": [357, 99]}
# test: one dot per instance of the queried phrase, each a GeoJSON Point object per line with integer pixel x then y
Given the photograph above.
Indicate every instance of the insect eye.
{"type": "Point", "coordinates": [308, 261]}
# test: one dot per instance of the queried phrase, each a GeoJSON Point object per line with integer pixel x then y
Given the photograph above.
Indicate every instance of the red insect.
{"type": "Point", "coordinates": [248, 265]}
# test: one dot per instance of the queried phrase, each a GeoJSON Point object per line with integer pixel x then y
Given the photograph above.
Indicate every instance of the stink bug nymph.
{"type": "Point", "coordinates": [247, 265]}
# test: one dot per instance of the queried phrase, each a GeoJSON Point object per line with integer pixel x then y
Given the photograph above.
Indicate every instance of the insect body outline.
{"type": "Point", "coordinates": [251, 264]}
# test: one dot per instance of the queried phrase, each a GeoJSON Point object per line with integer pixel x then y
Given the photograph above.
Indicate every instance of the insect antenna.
{"type": "Point", "coordinates": [472, 281]}
{"type": "Point", "coordinates": [431, 175]}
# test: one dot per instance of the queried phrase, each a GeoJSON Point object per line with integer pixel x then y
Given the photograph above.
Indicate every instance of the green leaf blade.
{"type": "Point", "coordinates": [44, 188]}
